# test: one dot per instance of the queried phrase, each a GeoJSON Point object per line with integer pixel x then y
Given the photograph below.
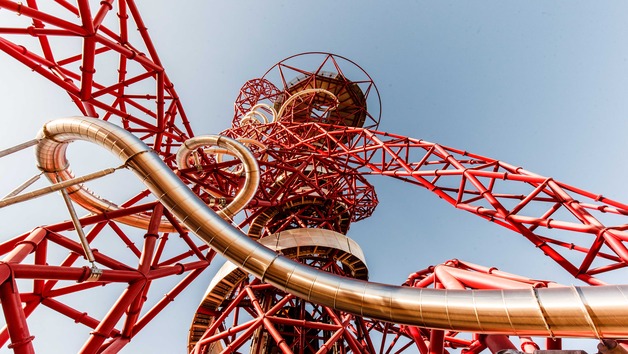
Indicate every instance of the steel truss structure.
{"type": "Point", "coordinates": [311, 124]}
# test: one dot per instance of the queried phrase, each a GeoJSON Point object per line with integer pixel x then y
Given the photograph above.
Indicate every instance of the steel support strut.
{"type": "Point", "coordinates": [314, 153]}
{"type": "Point", "coordinates": [21, 340]}
{"type": "Point", "coordinates": [549, 214]}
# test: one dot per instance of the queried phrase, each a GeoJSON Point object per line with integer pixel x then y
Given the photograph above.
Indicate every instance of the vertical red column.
{"type": "Point", "coordinates": [21, 339]}
{"type": "Point", "coordinates": [554, 344]}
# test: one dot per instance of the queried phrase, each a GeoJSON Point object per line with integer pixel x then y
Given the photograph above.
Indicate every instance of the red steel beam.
{"type": "Point", "coordinates": [21, 339]}
{"type": "Point", "coordinates": [14, 313]}
{"type": "Point", "coordinates": [476, 179]}
{"type": "Point", "coordinates": [106, 326]}
{"type": "Point", "coordinates": [20, 9]}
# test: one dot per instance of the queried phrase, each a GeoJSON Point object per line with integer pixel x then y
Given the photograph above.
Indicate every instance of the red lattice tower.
{"type": "Point", "coordinates": [312, 130]}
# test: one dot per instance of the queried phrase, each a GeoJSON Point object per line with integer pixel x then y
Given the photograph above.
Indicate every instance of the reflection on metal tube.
{"type": "Point", "coordinates": [303, 93]}
{"type": "Point", "coordinates": [57, 169]}
{"type": "Point", "coordinates": [53, 162]}
{"type": "Point", "coordinates": [251, 169]}
{"type": "Point", "coordinates": [563, 312]}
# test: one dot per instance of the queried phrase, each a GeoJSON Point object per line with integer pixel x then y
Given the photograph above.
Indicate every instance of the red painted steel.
{"type": "Point", "coordinates": [256, 312]}
{"type": "Point", "coordinates": [314, 161]}
{"type": "Point", "coordinates": [457, 274]}
{"type": "Point", "coordinates": [547, 214]}
{"type": "Point", "coordinates": [135, 277]}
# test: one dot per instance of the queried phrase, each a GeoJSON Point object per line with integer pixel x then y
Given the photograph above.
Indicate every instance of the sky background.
{"type": "Point", "coordinates": [537, 84]}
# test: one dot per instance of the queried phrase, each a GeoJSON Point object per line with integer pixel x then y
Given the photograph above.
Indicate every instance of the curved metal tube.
{"type": "Point", "coordinates": [251, 169]}
{"type": "Point", "coordinates": [57, 168]}
{"type": "Point", "coordinates": [254, 112]}
{"type": "Point", "coordinates": [284, 106]}
{"type": "Point", "coordinates": [563, 312]}
{"type": "Point", "coordinates": [219, 152]}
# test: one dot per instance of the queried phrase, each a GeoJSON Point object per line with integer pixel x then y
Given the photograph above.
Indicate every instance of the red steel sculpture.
{"type": "Point", "coordinates": [291, 175]}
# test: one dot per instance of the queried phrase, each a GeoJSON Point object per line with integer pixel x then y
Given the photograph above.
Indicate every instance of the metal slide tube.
{"type": "Point", "coordinates": [58, 170]}
{"type": "Point", "coordinates": [302, 93]}
{"type": "Point", "coordinates": [251, 168]}
{"type": "Point", "coordinates": [600, 311]}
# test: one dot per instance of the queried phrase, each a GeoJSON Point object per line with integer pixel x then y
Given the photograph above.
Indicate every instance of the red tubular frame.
{"type": "Point", "coordinates": [245, 310]}
{"type": "Point", "coordinates": [467, 181]}
{"type": "Point", "coordinates": [313, 175]}
{"type": "Point", "coordinates": [48, 291]}
{"type": "Point", "coordinates": [165, 122]}
{"type": "Point", "coordinates": [457, 274]}
{"type": "Point", "coordinates": [14, 314]}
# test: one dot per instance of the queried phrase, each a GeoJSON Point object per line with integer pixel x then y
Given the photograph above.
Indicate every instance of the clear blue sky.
{"type": "Point", "coordinates": [538, 84]}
